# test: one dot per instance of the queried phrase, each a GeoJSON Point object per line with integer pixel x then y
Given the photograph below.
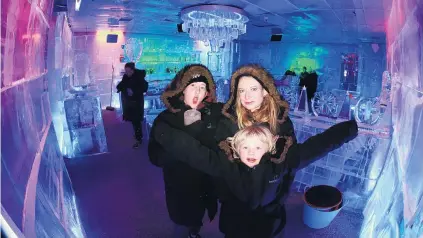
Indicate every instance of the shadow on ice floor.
{"type": "Point", "coordinates": [121, 195]}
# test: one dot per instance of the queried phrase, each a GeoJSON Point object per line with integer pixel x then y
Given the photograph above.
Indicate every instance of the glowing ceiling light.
{"type": "Point", "coordinates": [216, 25]}
{"type": "Point", "coordinates": [77, 4]}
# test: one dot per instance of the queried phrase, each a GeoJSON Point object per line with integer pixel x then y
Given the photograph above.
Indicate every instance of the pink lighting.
{"type": "Point", "coordinates": [36, 36]}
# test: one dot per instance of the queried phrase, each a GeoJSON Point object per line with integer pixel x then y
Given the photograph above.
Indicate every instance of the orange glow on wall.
{"type": "Point", "coordinates": [36, 36]}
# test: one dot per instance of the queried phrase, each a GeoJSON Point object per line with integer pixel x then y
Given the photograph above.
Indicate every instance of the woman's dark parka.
{"type": "Point", "coordinates": [258, 210]}
{"type": "Point", "coordinates": [189, 192]}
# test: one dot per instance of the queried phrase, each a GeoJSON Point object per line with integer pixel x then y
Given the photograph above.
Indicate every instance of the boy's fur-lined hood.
{"type": "Point", "coordinates": [171, 97]}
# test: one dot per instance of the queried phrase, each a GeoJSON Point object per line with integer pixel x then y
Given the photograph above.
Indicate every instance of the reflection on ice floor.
{"type": "Point", "coordinates": [120, 194]}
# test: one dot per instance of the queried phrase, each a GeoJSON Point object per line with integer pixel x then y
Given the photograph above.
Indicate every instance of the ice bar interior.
{"type": "Point", "coordinates": [61, 60]}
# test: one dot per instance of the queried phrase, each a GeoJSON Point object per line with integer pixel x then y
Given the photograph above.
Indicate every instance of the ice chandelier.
{"type": "Point", "coordinates": [215, 25]}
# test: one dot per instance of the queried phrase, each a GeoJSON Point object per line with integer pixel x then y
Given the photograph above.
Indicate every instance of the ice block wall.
{"type": "Point", "coordinates": [395, 207]}
{"type": "Point", "coordinates": [97, 62]}
{"type": "Point", "coordinates": [36, 193]}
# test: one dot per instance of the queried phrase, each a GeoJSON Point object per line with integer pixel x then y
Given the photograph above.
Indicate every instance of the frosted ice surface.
{"type": "Point", "coordinates": [36, 191]}
{"type": "Point", "coordinates": [85, 124]}
{"type": "Point", "coordinates": [395, 207]}
{"type": "Point", "coordinates": [353, 168]}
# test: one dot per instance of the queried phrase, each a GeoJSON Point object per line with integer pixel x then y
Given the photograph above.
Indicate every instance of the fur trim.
{"type": "Point", "coordinates": [289, 141]}
{"type": "Point", "coordinates": [180, 82]}
{"type": "Point", "coordinates": [261, 74]}
{"type": "Point", "coordinates": [224, 145]}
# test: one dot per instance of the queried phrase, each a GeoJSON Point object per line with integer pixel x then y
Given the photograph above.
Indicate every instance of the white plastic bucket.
{"type": "Point", "coordinates": [322, 204]}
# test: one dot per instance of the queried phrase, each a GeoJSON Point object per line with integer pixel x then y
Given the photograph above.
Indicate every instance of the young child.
{"type": "Point", "coordinates": [251, 143]}
{"type": "Point", "coordinates": [246, 164]}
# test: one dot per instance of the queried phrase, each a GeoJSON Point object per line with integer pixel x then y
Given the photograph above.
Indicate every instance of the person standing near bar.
{"type": "Point", "coordinates": [133, 86]}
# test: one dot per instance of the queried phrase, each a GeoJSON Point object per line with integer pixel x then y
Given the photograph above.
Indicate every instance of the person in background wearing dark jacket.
{"type": "Point", "coordinates": [309, 80]}
{"type": "Point", "coordinates": [189, 193]}
{"type": "Point", "coordinates": [133, 86]}
{"type": "Point", "coordinates": [254, 99]}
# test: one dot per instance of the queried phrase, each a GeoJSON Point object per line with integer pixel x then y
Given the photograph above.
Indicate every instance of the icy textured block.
{"type": "Point", "coordinates": [153, 107]}
{"type": "Point", "coordinates": [351, 168]}
{"type": "Point", "coordinates": [85, 124]}
{"type": "Point", "coordinates": [222, 90]}
{"type": "Point", "coordinates": [55, 198]}
{"type": "Point", "coordinates": [290, 93]}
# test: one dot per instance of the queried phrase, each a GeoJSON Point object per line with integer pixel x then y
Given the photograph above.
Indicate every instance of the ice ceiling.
{"type": "Point", "coordinates": [300, 20]}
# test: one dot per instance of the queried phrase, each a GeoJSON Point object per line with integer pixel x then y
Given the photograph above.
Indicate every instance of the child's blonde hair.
{"type": "Point", "coordinates": [255, 131]}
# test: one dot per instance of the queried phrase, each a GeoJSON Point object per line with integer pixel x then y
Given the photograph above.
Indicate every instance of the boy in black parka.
{"type": "Point", "coordinates": [189, 192]}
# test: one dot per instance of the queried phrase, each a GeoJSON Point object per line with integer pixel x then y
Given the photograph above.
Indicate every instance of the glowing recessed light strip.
{"type": "Point", "coordinates": [77, 4]}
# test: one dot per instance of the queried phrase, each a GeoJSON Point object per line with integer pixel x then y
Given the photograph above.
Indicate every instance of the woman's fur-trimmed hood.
{"type": "Point", "coordinates": [171, 97]}
{"type": "Point", "coordinates": [265, 78]}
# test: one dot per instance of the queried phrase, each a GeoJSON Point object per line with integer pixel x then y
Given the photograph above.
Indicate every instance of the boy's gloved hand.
{"type": "Point", "coordinates": [191, 116]}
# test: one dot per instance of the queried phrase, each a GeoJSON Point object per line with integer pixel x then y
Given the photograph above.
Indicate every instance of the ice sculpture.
{"type": "Point", "coordinates": [290, 94]}
{"type": "Point", "coordinates": [368, 111]}
{"type": "Point", "coordinates": [133, 49]}
{"type": "Point", "coordinates": [325, 104]}
{"type": "Point", "coordinates": [302, 105]}
{"type": "Point", "coordinates": [82, 74]}
{"type": "Point", "coordinates": [85, 125]}
{"type": "Point", "coordinates": [371, 110]}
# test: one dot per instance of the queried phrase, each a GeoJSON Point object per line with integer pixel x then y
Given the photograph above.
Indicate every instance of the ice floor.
{"type": "Point", "coordinates": [120, 194]}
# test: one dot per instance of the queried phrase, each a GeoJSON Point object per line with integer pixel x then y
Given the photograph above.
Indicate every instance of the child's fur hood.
{"type": "Point", "coordinates": [260, 74]}
{"type": "Point", "coordinates": [172, 94]}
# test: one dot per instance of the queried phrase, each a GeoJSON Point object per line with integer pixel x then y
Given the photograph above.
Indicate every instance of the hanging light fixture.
{"type": "Point", "coordinates": [77, 4]}
{"type": "Point", "coordinates": [217, 25]}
